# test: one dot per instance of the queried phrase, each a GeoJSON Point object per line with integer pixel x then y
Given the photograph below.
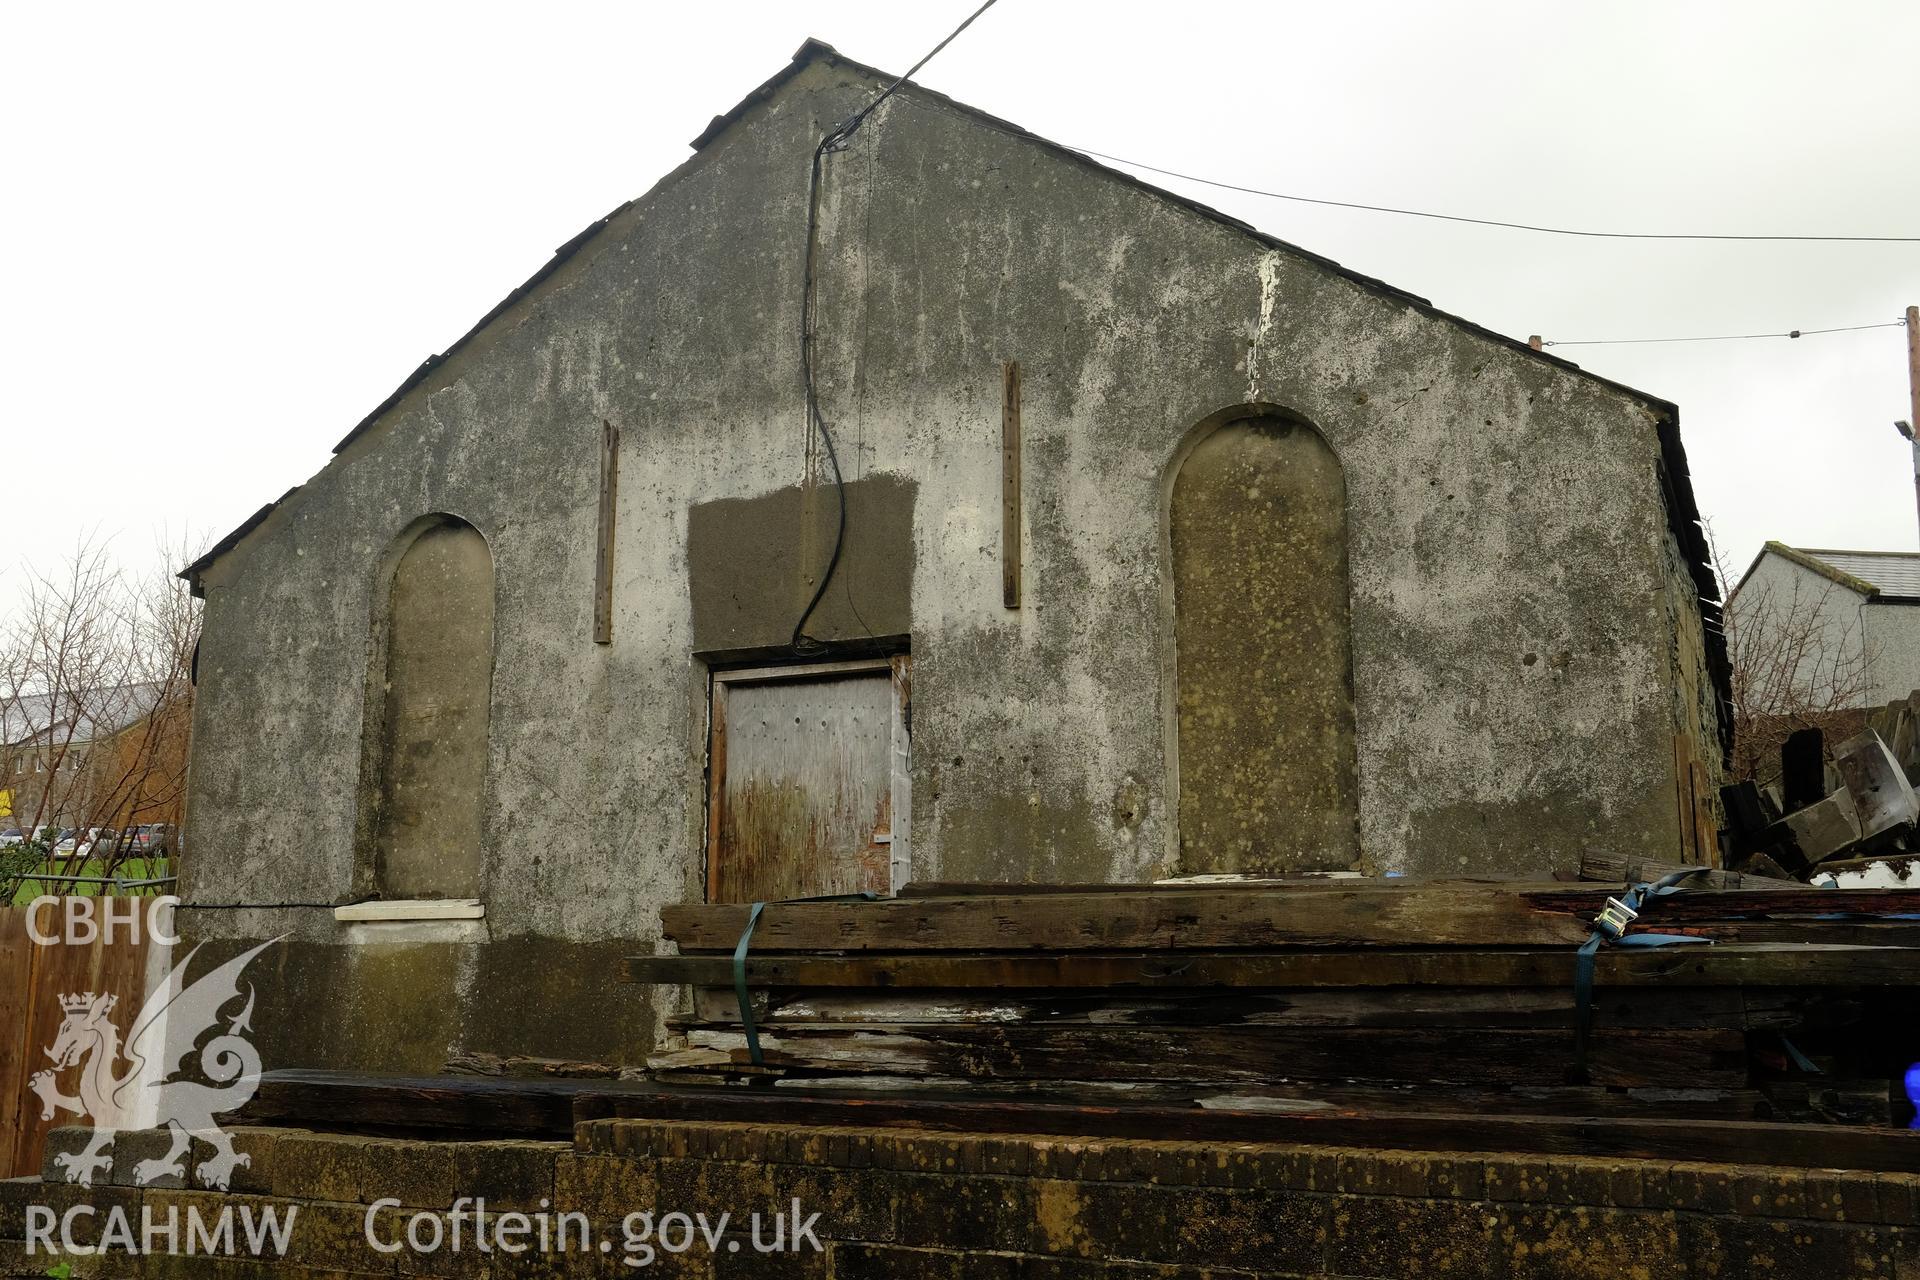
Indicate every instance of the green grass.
{"type": "Point", "coordinates": [32, 887]}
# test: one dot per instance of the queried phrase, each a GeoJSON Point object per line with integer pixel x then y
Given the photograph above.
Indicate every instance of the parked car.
{"type": "Point", "coordinates": [99, 842]}
{"type": "Point", "coordinates": [64, 841]}
{"type": "Point", "coordinates": [151, 839]}
{"type": "Point", "coordinates": [10, 836]}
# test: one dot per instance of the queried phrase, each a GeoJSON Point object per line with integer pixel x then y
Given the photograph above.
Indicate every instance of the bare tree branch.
{"type": "Point", "coordinates": [96, 695]}
{"type": "Point", "coordinates": [1800, 661]}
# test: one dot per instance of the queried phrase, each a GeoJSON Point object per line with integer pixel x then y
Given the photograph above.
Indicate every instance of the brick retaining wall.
{"type": "Point", "coordinates": [898, 1204]}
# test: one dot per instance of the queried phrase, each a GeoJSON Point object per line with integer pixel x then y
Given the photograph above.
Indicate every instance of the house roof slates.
{"type": "Point", "coordinates": [1891, 573]}
{"type": "Point", "coordinates": [83, 714]}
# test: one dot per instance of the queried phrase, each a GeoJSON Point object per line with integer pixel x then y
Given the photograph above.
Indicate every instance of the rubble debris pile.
{"type": "Point", "coordinates": [1851, 822]}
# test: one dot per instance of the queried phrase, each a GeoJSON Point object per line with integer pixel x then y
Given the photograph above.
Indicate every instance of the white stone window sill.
{"type": "Point", "coordinates": [411, 909]}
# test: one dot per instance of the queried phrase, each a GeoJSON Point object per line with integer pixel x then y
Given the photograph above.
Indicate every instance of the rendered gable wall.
{"type": "Point", "coordinates": [1513, 578]}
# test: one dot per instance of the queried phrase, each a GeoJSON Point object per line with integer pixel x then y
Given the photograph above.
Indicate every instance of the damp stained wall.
{"type": "Point", "coordinates": [1510, 566]}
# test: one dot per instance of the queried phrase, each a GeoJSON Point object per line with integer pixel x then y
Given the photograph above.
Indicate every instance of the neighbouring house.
{"type": "Point", "coordinates": [1842, 626]}
{"type": "Point", "coordinates": [111, 756]}
{"type": "Point", "coordinates": [1146, 545]}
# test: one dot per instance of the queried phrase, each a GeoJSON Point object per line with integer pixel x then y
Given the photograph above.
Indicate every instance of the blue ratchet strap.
{"type": "Point", "coordinates": [740, 964]}
{"type": "Point", "coordinates": [740, 984]}
{"type": "Point", "coordinates": [1611, 926]}
{"type": "Point", "coordinates": [1799, 1059]}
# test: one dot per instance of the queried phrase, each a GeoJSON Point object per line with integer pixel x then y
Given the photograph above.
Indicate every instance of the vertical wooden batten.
{"type": "Point", "coordinates": [603, 550]}
{"type": "Point", "coordinates": [901, 782]}
{"type": "Point", "coordinates": [1010, 484]}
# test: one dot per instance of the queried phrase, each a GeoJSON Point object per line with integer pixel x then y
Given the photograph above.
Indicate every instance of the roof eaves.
{"type": "Point", "coordinates": [191, 574]}
{"type": "Point", "coordinates": [1689, 532]}
{"type": "Point", "coordinates": [1758, 556]}
{"type": "Point", "coordinates": [1855, 551]}
{"type": "Point", "coordinates": [559, 259]}
{"type": "Point", "coordinates": [809, 50]}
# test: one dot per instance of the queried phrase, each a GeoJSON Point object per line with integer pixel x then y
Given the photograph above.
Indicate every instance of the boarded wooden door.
{"type": "Point", "coordinates": [807, 781]}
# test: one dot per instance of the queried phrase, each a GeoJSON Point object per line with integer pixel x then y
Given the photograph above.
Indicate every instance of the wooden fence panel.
{"type": "Point", "coordinates": [16, 1054]}
{"type": "Point", "coordinates": [33, 977]}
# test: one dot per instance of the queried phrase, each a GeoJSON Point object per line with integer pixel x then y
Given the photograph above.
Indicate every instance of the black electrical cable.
{"type": "Point", "coordinates": [255, 906]}
{"type": "Point", "coordinates": [801, 642]}
{"type": "Point", "coordinates": [837, 140]}
{"type": "Point", "coordinates": [839, 136]}
{"type": "Point", "coordinates": [1479, 222]}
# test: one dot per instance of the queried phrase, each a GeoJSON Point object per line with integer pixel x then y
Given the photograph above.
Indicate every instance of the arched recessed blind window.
{"type": "Point", "coordinates": [433, 744]}
{"type": "Point", "coordinates": [1263, 661]}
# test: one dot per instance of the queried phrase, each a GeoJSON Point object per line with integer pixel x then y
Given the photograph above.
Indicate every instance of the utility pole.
{"type": "Point", "coordinates": [1911, 427]}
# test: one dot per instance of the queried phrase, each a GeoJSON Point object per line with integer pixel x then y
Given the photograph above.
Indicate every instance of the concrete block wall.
{"type": "Point", "coordinates": [897, 1204]}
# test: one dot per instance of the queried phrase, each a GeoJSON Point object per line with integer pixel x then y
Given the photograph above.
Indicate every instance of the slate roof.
{"type": "Point", "coordinates": [1892, 574]}
{"type": "Point", "coordinates": [93, 713]}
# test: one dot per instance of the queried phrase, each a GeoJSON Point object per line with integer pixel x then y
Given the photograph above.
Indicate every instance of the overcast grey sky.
{"type": "Point", "coordinates": [230, 230]}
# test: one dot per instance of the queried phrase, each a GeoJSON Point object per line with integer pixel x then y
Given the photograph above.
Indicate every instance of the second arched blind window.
{"type": "Point", "coordinates": [1263, 663]}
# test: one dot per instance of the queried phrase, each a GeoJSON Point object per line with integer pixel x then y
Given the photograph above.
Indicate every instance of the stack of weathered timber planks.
{"type": "Point", "coordinates": [1315, 994]}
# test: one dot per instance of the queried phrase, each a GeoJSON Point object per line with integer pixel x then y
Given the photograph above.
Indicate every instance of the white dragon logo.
{"type": "Point", "coordinates": [164, 1035]}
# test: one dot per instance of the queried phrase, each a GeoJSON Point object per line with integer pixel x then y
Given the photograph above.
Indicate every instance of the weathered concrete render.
{"type": "Point", "coordinates": [752, 564]}
{"type": "Point", "coordinates": [1512, 571]}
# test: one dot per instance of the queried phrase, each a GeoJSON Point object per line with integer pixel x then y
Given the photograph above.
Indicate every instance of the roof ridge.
{"type": "Point", "coordinates": [1854, 551]}
{"type": "Point", "coordinates": [1812, 563]}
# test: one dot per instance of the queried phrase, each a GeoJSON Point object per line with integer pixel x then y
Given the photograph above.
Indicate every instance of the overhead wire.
{"type": "Point", "coordinates": [1723, 337]}
{"type": "Point", "coordinates": [1546, 230]}
{"type": "Point", "coordinates": [838, 139]}
{"type": "Point", "coordinates": [1484, 222]}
